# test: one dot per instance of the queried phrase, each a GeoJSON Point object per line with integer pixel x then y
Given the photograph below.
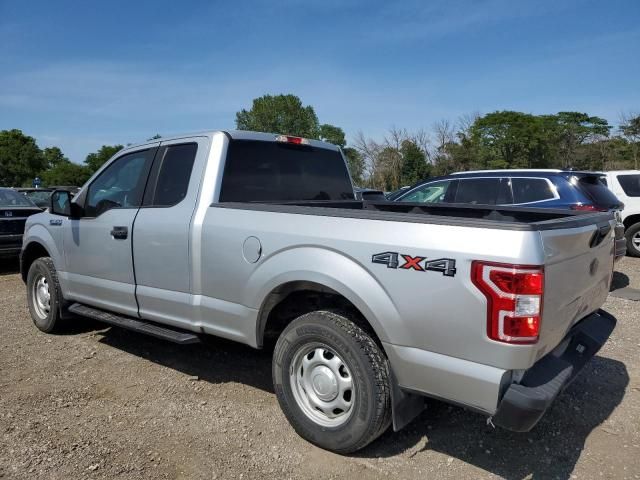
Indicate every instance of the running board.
{"type": "Point", "coordinates": [152, 329]}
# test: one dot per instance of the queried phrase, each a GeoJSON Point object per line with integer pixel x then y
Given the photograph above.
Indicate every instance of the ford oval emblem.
{"type": "Point", "coordinates": [593, 267]}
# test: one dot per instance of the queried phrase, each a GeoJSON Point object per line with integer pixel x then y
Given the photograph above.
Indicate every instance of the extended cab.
{"type": "Point", "coordinates": [372, 305]}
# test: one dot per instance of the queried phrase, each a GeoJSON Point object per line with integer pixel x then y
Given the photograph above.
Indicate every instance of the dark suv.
{"type": "Point", "coordinates": [559, 189]}
{"type": "Point", "coordinates": [564, 189]}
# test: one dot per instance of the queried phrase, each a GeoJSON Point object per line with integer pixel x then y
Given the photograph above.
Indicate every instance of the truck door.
{"type": "Point", "coordinates": [161, 246]}
{"type": "Point", "coordinates": [97, 246]}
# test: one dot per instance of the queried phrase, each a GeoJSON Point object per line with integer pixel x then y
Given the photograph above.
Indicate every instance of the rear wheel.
{"type": "Point", "coordinates": [332, 382]}
{"type": "Point", "coordinates": [44, 297]}
{"type": "Point", "coordinates": [632, 234]}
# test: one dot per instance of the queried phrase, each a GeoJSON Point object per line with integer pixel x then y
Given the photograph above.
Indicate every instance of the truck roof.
{"type": "Point", "coordinates": [234, 134]}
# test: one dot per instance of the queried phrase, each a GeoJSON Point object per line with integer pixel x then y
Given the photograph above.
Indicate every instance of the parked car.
{"type": "Point", "coordinates": [373, 306]}
{"type": "Point", "coordinates": [625, 184]}
{"type": "Point", "coordinates": [39, 196]}
{"type": "Point", "coordinates": [556, 189]}
{"type": "Point", "coordinates": [14, 210]}
{"type": "Point", "coordinates": [361, 192]}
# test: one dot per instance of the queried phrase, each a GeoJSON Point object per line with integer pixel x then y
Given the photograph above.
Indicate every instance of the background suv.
{"type": "Point", "coordinates": [625, 184]}
{"type": "Point", "coordinates": [563, 189]}
{"type": "Point", "coordinates": [559, 189]}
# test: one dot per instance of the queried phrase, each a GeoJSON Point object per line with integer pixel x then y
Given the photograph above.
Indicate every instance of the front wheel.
{"type": "Point", "coordinates": [332, 382]}
{"type": "Point", "coordinates": [632, 234]}
{"type": "Point", "coordinates": [44, 296]}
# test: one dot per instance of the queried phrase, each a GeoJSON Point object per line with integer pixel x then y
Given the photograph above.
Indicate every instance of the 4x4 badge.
{"type": "Point", "coordinates": [446, 266]}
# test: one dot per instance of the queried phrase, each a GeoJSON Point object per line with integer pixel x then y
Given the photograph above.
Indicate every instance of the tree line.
{"type": "Point", "coordinates": [501, 139]}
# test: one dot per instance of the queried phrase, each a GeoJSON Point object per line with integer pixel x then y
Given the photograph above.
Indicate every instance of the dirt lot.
{"type": "Point", "coordinates": [104, 403]}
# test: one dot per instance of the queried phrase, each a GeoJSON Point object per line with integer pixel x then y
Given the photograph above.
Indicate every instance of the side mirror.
{"type": "Point", "coordinates": [60, 204]}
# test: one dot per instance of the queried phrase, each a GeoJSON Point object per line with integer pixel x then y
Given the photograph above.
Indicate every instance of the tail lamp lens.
{"type": "Point", "coordinates": [514, 300]}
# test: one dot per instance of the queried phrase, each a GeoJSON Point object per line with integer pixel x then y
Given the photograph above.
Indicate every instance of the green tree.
{"type": "Point", "coordinates": [95, 160]}
{"type": "Point", "coordinates": [53, 156]}
{"type": "Point", "coordinates": [20, 158]}
{"type": "Point", "coordinates": [414, 163]}
{"type": "Point", "coordinates": [332, 134]}
{"type": "Point", "coordinates": [508, 139]}
{"type": "Point", "coordinates": [356, 165]}
{"type": "Point", "coordinates": [575, 128]}
{"type": "Point", "coordinates": [630, 128]}
{"type": "Point", "coordinates": [279, 114]}
{"type": "Point", "coordinates": [66, 173]}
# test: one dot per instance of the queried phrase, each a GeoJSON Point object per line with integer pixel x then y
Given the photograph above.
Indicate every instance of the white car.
{"type": "Point", "coordinates": [625, 184]}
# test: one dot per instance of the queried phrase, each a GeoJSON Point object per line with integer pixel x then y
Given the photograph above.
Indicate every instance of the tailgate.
{"type": "Point", "coordinates": [578, 270]}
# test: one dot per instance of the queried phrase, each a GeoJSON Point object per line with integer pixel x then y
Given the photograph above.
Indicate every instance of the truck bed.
{"type": "Point", "coordinates": [481, 216]}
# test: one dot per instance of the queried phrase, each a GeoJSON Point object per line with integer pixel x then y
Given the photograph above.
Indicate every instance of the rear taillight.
{"type": "Point", "coordinates": [514, 300]}
{"type": "Point", "coordinates": [293, 140]}
{"type": "Point", "coordinates": [588, 208]}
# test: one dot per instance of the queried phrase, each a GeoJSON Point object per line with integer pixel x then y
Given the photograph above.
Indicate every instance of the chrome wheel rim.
{"type": "Point", "coordinates": [322, 385]}
{"type": "Point", "coordinates": [636, 240]}
{"type": "Point", "coordinates": [41, 297]}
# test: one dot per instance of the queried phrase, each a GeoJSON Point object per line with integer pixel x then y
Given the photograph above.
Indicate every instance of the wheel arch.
{"type": "Point", "coordinates": [319, 278]}
{"type": "Point", "coordinates": [631, 220]}
{"type": "Point", "coordinates": [30, 253]}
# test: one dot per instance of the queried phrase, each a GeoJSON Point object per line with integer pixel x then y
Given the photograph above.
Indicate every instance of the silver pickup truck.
{"type": "Point", "coordinates": [373, 306]}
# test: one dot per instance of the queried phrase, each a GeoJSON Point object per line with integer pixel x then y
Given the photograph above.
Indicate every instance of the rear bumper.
{"type": "Point", "coordinates": [523, 404]}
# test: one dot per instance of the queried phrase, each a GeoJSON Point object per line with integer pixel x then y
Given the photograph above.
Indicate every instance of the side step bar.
{"type": "Point", "coordinates": [142, 326]}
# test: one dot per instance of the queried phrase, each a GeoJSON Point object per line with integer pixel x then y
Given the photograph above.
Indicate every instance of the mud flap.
{"type": "Point", "coordinates": [405, 406]}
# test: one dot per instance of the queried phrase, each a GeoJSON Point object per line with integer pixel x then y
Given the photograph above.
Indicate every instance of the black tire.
{"type": "Point", "coordinates": [45, 320]}
{"type": "Point", "coordinates": [368, 370]}
{"type": "Point", "coordinates": [629, 233]}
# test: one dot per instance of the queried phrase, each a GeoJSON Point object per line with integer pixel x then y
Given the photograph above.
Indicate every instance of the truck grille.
{"type": "Point", "coordinates": [12, 227]}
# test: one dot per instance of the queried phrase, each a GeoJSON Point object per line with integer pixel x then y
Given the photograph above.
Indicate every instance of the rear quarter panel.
{"type": "Point", "coordinates": [425, 310]}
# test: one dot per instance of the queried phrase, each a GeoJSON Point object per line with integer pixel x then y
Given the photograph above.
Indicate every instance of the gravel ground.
{"type": "Point", "coordinates": [97, 402]}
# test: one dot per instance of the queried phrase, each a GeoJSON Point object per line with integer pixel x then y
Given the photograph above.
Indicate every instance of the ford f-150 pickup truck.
{"type": "Point", "coordinates": [373, 306]}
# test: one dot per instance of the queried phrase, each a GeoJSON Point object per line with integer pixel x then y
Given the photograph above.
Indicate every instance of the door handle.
{"type": "Point", "coordinates": [120, 233]}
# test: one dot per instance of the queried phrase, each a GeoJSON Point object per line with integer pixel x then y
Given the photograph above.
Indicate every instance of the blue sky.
{"type": "Point", "coordinates": [82, 74]}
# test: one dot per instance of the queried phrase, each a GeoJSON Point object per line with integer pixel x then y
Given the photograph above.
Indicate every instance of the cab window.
{"type": "Point", "coordinates": [120, 185]}
{"type": "Point", "coordinates": [175, 164]}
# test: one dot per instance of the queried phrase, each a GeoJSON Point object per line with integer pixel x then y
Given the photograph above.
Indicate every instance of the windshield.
{"type": "Point", "coordinates": [11, 198]}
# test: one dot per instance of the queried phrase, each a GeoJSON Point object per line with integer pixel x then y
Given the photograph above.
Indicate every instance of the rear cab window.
{"type": "Point", "coordinates": [259, 171]}
{"type": "Point", "coordinates": [630, 184]}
